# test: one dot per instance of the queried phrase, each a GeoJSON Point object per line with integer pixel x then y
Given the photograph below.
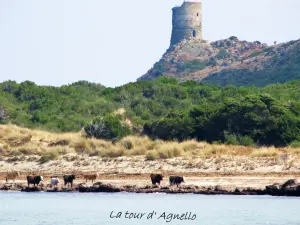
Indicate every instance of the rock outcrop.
{"type": "Point", "coordinates": [31, 189]}
{"type": "Point", "coordinates": [229, 61]}
{"type": "Point", "coordinates": [98, 187]}
{"type": "Point", "coordinates": [289, 188]}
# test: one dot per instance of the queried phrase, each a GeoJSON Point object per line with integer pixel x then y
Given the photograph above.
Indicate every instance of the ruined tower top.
{"type": "Point", "coordinates": [187, 22]}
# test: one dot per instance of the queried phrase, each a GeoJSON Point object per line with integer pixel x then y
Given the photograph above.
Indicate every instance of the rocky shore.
{"type": "Point", "coordinates": [289, 188]}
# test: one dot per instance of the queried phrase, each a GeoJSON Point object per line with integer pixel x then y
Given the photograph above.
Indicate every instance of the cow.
{"type": "Point", "coordinates": [91, 177]}
{"type": "Point", "coordinates": [35, 180]}
{"type": "Point", "coordinates": [54, 182]}
{"type": "Point", "coordinates": [12, 175]}
{"type": "Point", "coordinates": [68, 179]}
{"type": "Point", "coordinates": [176, 180]}
{"type": "Point", "coordinates": [156, 178]}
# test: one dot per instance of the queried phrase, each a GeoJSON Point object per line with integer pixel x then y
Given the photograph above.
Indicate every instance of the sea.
{"type": "Point", "coordinates": [145, 209]}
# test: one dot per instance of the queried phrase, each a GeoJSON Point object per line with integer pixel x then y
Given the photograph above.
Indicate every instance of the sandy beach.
{"type": "Point", "coordinates": [211, 179]}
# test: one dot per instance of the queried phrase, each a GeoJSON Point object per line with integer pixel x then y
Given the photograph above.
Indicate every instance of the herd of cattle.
{"type": "Point", "coordinates": [68, 179]}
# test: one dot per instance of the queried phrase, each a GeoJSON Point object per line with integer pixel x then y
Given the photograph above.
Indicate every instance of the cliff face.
{"type": "Point", "coordinates": [229, 61]}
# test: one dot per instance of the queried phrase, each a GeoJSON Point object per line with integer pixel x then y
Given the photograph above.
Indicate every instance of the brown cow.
{"type": "Point", "coordinates": [12, 175]}
{"type": "Point", "coordinates": [91, 177]}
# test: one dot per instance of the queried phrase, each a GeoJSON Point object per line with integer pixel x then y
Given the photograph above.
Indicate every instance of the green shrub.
{"type": "Point", "coordinates": [222, 54]}
{"type": "Point", "coordinates": [194, 65]}
{"type": "Point", "coordinates": [48, 156]}
{"type": "Point", "coordinates": [246, 141]}
{"type": "Point", "coordinates": [109, 127]}
{"type": "Point", "coordinates": [233, 38]}
{"type": "Point", "coordinates": [254, 54]}
{"type": "Point", "coordinates": [212, 62]}
{"type": "Point", "coordinates": [230, 139]}
{"type": "Point", "coordinates": [295, 144]}
{"type": "Point", "coordinates": [234, 139]}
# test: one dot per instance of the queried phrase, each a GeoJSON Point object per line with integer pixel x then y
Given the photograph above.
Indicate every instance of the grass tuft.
{"type": "Point", "coordinates": [112, 153]}
{"type": "Point", "coordinates": [265, 152]}
{"type": "Point", "coordinates": [152, 155]}
{"type": "Point", "coordinates": [48, 156]}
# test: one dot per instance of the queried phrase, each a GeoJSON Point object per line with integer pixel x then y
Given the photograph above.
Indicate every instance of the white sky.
{"type": "Point", "coordinates": [55, 42]}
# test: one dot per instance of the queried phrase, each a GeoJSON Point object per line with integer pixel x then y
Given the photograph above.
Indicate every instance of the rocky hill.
{"type": "Point", "coordinates": [229, 61]}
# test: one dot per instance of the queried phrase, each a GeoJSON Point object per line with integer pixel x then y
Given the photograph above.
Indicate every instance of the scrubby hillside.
{"type": "Point", "coordinates": [230, 61]}
{"type": "Point", "coordinates": [161, 109]}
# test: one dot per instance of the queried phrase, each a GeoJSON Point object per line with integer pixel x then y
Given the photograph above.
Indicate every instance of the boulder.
{"type": "Point", "coordinates": [11, 187]}
{"type": "Point", "coordinates": [53, 190]}
{"type": "Point", "coordinates": [66, 189]}
{"type": "Point", "coordinates": [289, 188]}
{"type": "Point", "coordinates": [98, 187]}
{"type": "Point", "coordinates": [31, 189]}
{"type": "Point", "coordinates": [290, 183]}
{"type": "Point", "coordinates": [165, 188]}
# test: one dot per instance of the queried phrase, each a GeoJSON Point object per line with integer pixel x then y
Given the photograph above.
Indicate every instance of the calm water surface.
{"type": "Point", "coordinates": [95, 209]}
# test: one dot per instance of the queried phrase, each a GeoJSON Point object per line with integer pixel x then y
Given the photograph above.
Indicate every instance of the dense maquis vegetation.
{"type": "Point", "coordinates": [282, 67]}
{"type": "Point", "coordinates": [162, 109]}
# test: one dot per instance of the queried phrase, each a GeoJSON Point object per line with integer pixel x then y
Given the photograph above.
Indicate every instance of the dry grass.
{"type": "Point", "coordinates": [82, 146]}
{"type": "Point", "coordinates": [215, 150]}
{"type": "Point", "coordinates": [296, 151]}
{"type": "Point", "coordinates": [16, 141]}
{"type": "Point", "coordinates": [14, 136]}
{"type": "Point", "coordinates": [100, 144]}
{"type": "Point", "coordinates": [113, 153]}
{"type": "Point", "coordinates": [132, 142]}
{"type": "Point", "coordinates": [49, 155]}
{"type": "Point", "coordinates": [192, 145]}
{"type": "Point", "coordinates": [169, 150]}
{"type": "Point", "coordinates": [152, 155]}
{"type": "Point", "coordinates": [265, 152]}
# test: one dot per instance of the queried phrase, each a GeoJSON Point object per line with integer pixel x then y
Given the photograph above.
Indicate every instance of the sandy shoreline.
{"type": "Point", "coordinates": [224, 180]}
{"type": "Point", "coordinates": [278, 185]}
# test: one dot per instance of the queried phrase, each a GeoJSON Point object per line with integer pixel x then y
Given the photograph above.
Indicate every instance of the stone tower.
{"type": "Point", "coordinates": [187, 22]}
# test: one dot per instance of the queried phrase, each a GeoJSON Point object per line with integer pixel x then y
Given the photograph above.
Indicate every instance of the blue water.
{"type": "Point", "coordinates": [95, 209]}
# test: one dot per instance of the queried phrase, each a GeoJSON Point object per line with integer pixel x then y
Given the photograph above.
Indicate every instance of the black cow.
{"type": "Point", "coordinates": [69, 179]}
{"type": "Point", "coordinates": [156, 178]}
{"type": "Point", "coordinates": [35, 180]}
{"type": "Point", "coordinates": [176, 180]}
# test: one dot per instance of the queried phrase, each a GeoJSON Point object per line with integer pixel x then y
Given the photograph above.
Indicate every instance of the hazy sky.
{"type": "Point", "coordinates": [55, 42]}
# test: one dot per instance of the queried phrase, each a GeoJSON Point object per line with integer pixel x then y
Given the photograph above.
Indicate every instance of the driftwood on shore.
{"type": "Point", "coordinates": [289, 188]}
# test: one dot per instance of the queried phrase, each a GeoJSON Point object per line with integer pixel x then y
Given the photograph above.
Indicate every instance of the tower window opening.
{"type": "Point", "coordinates": [194, 33]}
{"type": "Point", "coordinates": [197, 14]}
